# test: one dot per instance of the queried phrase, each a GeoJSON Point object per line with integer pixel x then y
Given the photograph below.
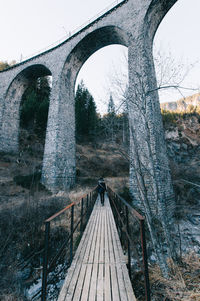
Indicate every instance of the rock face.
{"type": "Point", "coordinates": [183, 104]}
{"type": "Point", "coordinates": [183, 139]}
{"type": "Point", "coordinates": [183, 147]}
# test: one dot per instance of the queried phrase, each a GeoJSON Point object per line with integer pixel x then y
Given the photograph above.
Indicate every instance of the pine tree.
{"type": "Point", "coordinates": [111, 106]}
{"type": "Point", "coordinates": [92, 117]}
{"type": "Point", "coordinates": [81, 110]}
{"type": "Point", "coordinates": [85, 113]}
{"type": "Point", "coordinates": [111, 118]}
{"type": "Point", "coordinates": [35, 105]}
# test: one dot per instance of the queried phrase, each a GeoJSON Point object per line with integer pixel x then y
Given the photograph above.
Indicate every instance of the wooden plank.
{"type": "Point", "coordinates": [75, 288]}
{"type": "Point", "coordinates": [97, 248]}
{"type": "Point", "coordinates": [107, 287]}
{"type": "Point", "coordinates": [107, 254]}
{"type": "Point", "coordinates": [93, 247]}
{"type": "Point", "coordinates": [87, 281]}
{"type": "Point", "coordinates": [92, 237]}
{"type": "Point", "coordinates": [100, 286]}
{"type": "Point", "coordinates": [126, 290]}
{"type": "Point", "coordinates": [119, 255]}
{"type": "Point", "coordinates": [81, 275]}
{"type": "Point", "coordinates": [114, 281]}
{"type": "Point", "coordinates": [102, 237]}
{"type": "Point", "coordinates": [116, 239]}
{"type": "Point", "coordinates": [100, 278]}
{"type": "Point", "coordinates": [128, 285]}
{"type": "Point", "coordinates": [93, 285]}
{"type": "Point", "coordinates": [88, 275]}
{"type": "Point", "coordinates": [78, 256]}
{"type": "Point", "coordinates": [129, 289]}
{"type": "Point", "coordinates": [110, 246]}
{"type": "Point", "coordinates": [91, 275]}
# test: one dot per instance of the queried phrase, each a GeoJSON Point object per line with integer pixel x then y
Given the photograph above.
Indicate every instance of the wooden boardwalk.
{"type": "Point", "coordinates": [98, 271]}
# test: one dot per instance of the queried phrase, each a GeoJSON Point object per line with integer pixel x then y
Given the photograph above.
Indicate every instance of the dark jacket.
{"type": "Point", "coordinates": [101, 186]}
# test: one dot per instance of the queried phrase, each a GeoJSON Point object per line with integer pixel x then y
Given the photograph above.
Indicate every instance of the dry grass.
{"type": "Point", "coordinates": [10, 297]}
{"type": "Point", "coordinates": [117, 183]}
{"type": "Point", "coordinates": [183, 284]}
{"type": "Point", "coordinates": [77, 193]}
{"type": "Point", "coordinates": [104, 161]}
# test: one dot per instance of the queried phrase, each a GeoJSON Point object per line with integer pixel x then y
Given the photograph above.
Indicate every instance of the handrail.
{"type": "Point", "coordinates": [121, 211]}
{"type": "Point", "coordinates": [133, 211]}
{"type": "Point", "coordinates": [59, 213]}
{"type": "Point", "coordinates": [89, 200]}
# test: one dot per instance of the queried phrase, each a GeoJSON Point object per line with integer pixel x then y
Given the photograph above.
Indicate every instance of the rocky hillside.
{"type": "Point", "coordinates": [183, 137]}
{"type": "Point", "coordinates": [182, 104]}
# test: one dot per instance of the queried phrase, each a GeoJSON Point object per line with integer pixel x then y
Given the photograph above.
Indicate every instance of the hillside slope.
{"type": "Point", "coordinates": [182, 104]}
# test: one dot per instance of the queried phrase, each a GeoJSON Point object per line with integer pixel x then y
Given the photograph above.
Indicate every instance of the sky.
{"type": "Point", "coordinates": [27, 26]}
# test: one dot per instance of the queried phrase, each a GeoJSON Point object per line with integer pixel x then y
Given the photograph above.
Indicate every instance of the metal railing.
{"type": "Point", "coordinates": [74, 31]}
{"type": "Point", "coordinates": [131, 230]}
{"type": "Point", "coordinates": [71, 222]}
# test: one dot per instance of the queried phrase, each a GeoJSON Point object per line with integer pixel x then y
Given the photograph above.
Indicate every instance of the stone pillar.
{"type": "Point", "coordinates": [149, 161]}
{"type": "Point", "coordinates": [58, 172]}
{"type": "Point", "coordinates": [9, 138]}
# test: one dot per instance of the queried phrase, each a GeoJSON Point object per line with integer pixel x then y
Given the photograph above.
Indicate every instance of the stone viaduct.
{"type": "Point", "coordinates": [132, 23]}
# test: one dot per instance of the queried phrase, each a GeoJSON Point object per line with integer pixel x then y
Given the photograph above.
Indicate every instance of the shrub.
{"type": "Point", "coordinates": [169, 117]}
{"type": "Point", "coordinates": [29, 181]}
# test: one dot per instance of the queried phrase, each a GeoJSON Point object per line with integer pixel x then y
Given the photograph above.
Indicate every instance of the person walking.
{"type": "Point", "coordinates": [101, 189]}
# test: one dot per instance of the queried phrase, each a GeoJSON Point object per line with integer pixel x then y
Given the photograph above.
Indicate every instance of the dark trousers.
{"type": "Point", "coordinates": [102, 197]}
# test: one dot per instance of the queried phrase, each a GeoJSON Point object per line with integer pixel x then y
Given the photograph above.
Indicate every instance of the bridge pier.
{"type": "Point", "coordinates": [149, 168]}
{"type": "Point", "coordinates": [59, 171]}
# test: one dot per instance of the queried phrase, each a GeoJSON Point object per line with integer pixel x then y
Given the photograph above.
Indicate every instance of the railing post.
{"type": "Point", "coordinates": [81, 225]}
{"type": "Point", "coordinates": [128, 245]}
{"type": "Point", "coordinates": [90, 202]}
{"type": "Point", "coordinates": [72, 230]}
{"type": "Point", "coordinates": [119, 207]}
{"type": "Point", "coordinates": [92, 199]}
{"type": "Point", "coordinates": [115, 201]}
{"type": "Point", "coordinates": [145, 261]}
{"type": "Point", "coordinates": [87, 208]}
{"type": "Point", "coordinates": [45, 261]}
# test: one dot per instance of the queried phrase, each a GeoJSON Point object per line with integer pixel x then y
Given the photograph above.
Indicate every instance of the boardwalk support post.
{"type": "Point", "coordinates": [45, 261]}
{"type": "Point", "coordinates": [90, 202]}
{"type": "Point", "coordinates": [81, 225]}
{"type": "Point", "coordinates": [72, 231]}
{"type": "Point", "coordinates": [128, 243]}
{"type": "Point", "coordinates": [87, 208]}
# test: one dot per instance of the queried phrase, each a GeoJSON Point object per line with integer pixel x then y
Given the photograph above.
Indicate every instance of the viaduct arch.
{"type": "Point", "coordinates": [131, 23]}
{"type": "Point", "coordinates": [10, 115]}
